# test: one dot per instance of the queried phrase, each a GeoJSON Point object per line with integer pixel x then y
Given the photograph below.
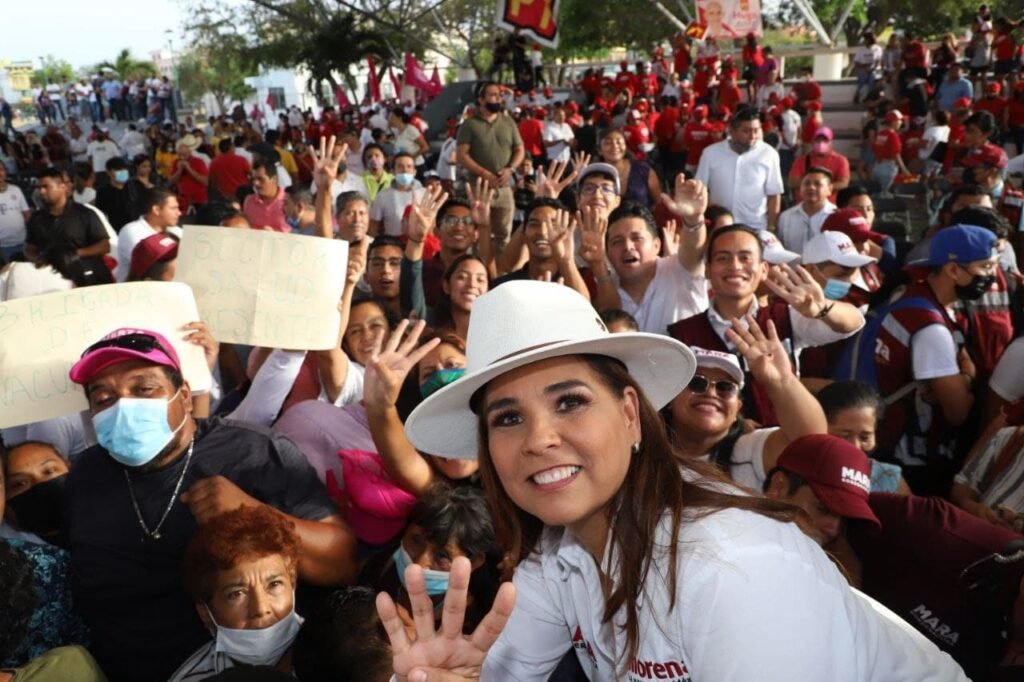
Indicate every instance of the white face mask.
{"type": "Point", "coordinates": [258, 647]}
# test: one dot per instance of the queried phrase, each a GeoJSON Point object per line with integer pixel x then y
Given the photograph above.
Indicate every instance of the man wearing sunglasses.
{"type": "Point", "coordinates": [134, 501]}
{"type": "Point", "coordinates": [908, 552]}
{"type": "Point", "coordinates": [458, 233]}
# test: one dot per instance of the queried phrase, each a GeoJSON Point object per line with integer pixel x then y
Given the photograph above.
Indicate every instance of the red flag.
{"type": "Point", "coordinates": [536, 19]}
{"type": "Point", "coordinates": [339, 94]}
{"type": "Point", "coordinates": [373, 83]}
{"type": "Point", "coordinates": [394, 83]}
{"type": "Point", "coordinates": [436, 86]}
{"type": "Point", "coordinates": [271, 102]}
{"type": "Point", "coordinates": [414, 73]}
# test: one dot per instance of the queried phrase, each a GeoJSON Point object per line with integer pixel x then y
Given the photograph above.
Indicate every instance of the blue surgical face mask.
{"type": "Point", "coordinates": [121, 176]}
{"type": "Point", "coordinates": [135, 430]}
{"type": "Point", "coordinates": [404, 179]}
{"type": "Point", "coordinates": [836, 289]}
{"type": "Point", "coordinates": [263, 647]}
{"type": "Point", "coordinates": [292, 223]}
{"type": "Point", "coordinates": [436, 581]}
{"type": "Point", "coordinates": [440, 379]}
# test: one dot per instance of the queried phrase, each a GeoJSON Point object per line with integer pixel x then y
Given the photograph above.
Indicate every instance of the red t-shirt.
{"type": "Point", "coordinates": [624, 80]}
{"type": "Point", "coordinates": [532, 132]}
{"type": "Point", "coordinates": [1016, 115]}
{"type": "Point", "coordinates": [993, 105]}
{"type": "Point", "coordinates": [696, 137]}
{"type": "Point", "coordinates": [809, 128]}
{"type": "Point", "coordinates": [887, 145]}
{"type": "Point", "coordinates": [729, 96]}
{"type": "Point", "coordinates": [909, 152]}
{"type": "Point", "coordinates": [228, 172]}
{"type": "Point", "coordinates": [753, 56]}
{"type": "Point", "coordinates": [1003, 46]}
{"type": "Point", "coordinates": [665, 126]}
{"type": "Point", "coordinates": [190, 191]}
{"type": "Point", "coordinates": [915, 55]}
{"type": "Point", "coordinates": [681, 60]}
{"type": "Point", "coordinates": [837, 164]}
{"type": "Point", "coordinates": [636, 135]}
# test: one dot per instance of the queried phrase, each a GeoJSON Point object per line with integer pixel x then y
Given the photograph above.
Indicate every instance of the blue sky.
{"type": "Point", "coordinates": [85, 32]}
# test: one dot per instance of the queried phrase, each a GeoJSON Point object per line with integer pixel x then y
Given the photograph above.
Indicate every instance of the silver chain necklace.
{"type": "Point", "coordinates": [155, 533]}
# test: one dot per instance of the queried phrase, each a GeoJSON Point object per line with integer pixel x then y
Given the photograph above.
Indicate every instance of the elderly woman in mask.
{"type": "Point", "coordinates": [240, 570]}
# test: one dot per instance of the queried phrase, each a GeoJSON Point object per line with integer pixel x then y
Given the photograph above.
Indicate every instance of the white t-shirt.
{"type": "Point", "coordinates": [789, 129]}
{"type": "Point", "coordinates": [807, 331]}
{"type": "Point", "coordinates": [932, 137]}
{"type": "Point", "coordinates": [1007, 488]}
{"type": "Point", "coordinates": [742, 183]}
{"type": "Point", "coordinates": [86, 196]}
{"type": "Point", "coordinates": [673, 294]}
{"type": "Point", "coordinates": [868, 55]}
{"type": "Point", "coordinates": [756, 599]}
{"type": "Point", "coordinates": [129, 237]}
{"type": "Point", "coordinates": [446, 165]}
{"type": "Point", "coordinates": [934, 353]}
{"type": "Point", "coordinates": [351, 183]}
{"type": "Point", "coordinates": [20, 280]}
{"type": "Point", "coordinates": [796, 228]}
{"type": "Point", "coordinates": [101, 152]}
{"type": "Point", "coordinates": [558, 132]}
{"type": "Point", "coordinates": [408, 141]}
{"type": "Point", "coordinates": [12, 216]}
{"type": "Point", "coordinates": [748, 459]}
{"type": "Point", "coordinates": [79, 147]}
{"type": "Point", "coordinates": [1008, 377]}
{"type": "Point", "coordinates": [389, 206]}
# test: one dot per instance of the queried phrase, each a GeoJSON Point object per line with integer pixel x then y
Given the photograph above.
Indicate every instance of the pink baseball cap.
{"type": "Point", "coordinates": [122, 345]}
{"type": "Point", "coordinates": [375, 507]}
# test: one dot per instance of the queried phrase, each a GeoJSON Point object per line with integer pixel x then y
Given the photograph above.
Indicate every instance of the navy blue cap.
{"type": "Point", "coordinates": [960, 244]}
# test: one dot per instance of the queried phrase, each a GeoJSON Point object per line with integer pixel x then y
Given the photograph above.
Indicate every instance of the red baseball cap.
{"type": "Point", "coordinates": [994, 88]}
{"type": "Point", "coordinates": [839, 474]}
{"type": "Point", "coordinates": [786, 102]}
{"type": "Point", "coordinates": [814, 106]}
{"type": "Point", "coordinates": [157, 248]}
{"type": "Point", "coordinates": [988, 154]}
{"type": "Point", "coordinates": [963, 103]}
{"type": "Point", "coordinates": [893, 116]}
{"type": "Point", "coordinates": [122, 345]}
{"type": "Point", "coordinates": [853, 224]}
{"type": "Point", "coordinates": [701, 111]}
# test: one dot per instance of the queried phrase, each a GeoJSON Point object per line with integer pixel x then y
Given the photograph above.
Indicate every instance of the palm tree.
{"type": "Point", "coordinates": [126, 65]}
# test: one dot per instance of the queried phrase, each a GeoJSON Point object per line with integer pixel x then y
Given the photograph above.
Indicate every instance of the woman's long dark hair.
{"type": "Point", "coordinates": [444, 319]}
{"type": "Point", "coordinates": [658, 482]}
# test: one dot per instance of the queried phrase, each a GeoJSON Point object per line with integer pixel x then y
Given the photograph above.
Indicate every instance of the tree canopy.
{"type": "Point", "coordinates": [126, 65]}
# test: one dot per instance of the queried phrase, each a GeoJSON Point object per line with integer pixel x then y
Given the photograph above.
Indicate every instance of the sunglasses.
{"type": "Point", "coordinates": [724, 388]}
{"type": "Point", "coordinates": [452, 221]}
{"type": "Point", "coordinates": [143, 343]}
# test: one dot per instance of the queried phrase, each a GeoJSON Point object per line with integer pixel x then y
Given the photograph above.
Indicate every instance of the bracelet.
{"type": "Point", "coordinates": [825, 311]}
{"type": "Point", "coordinates": [693, 228]}
{"type": "Point", "coordinates": [415, 241]}
{"type": "Point", "coordinates": [603, 278]}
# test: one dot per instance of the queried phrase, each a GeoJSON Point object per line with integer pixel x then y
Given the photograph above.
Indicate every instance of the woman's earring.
{"type": "Point", "coordinates": [635, 448]}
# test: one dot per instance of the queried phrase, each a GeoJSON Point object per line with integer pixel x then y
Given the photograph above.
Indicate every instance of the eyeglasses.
{"type": "Point", "coordinates": [724, 388]}
{"type": "Point", "coordinates": [452, 221]}
{"type": "Point", "coordinates": [591, 190]}
{"type": "Point", "coordinates": [143, 343]}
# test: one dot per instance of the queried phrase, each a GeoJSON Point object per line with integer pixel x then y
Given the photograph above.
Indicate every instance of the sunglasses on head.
{"type": "Point", "coordinates": [724, 388]}
{"type": "Point", "coordinates": [143, 343]}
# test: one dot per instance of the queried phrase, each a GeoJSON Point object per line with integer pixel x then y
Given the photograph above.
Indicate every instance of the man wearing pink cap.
{"type": "Point", "coordinates": [822, 156]}
{"type": "Point", "coordinates": [907, 552]}
{"type": "Point", "coordinates": [134, 501]}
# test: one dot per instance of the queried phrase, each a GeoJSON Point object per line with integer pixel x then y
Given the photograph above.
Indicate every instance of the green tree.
{"type": "Point", "coordinates": [126, 65]}
{"type": "Point", "coordinates": [52, 70]}
{"type": "Point", "coordinates": [220, 72]}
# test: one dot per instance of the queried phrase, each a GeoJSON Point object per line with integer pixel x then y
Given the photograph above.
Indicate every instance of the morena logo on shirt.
{"type": "Point", "coordinates": [581, 644]}
{"type": "Point", "coordinates": [674, 671]}
{"type": "Point", "coordinates": [851, 476]}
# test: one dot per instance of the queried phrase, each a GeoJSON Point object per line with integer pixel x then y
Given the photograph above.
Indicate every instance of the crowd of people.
{"type": "Point", "coordinates": [630, 383]}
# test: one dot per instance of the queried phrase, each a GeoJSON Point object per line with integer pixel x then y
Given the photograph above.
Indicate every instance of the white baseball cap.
{"type": "Point", "coordinates": [834, 247]}
{"type": "Point", "coordinates": [727, 362]}
{"type": "Point", "coordinates": [774, 252]}
{"type": "Point", "coordinates": [523, 322]}
{"type": "Point", "coordinates": [603, 168]}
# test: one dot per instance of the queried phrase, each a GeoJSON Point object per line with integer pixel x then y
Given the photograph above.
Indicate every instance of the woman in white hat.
{"type": "Point", "coordinates": [645, 565]}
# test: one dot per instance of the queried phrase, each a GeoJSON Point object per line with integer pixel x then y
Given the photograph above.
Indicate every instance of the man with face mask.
{"type": "Point", "coordinates": [742, 173]}
{"type": "Point", "coordinates": [822, 156]}
{"type": "Point", "coordinates": [389, 206]}
{"type": "Point", "coordinates": [489, 146]}
{"type": "Point", "coordinates": [134, 501]}
{"type": "Point", "coordinates": [925, 373]}
{"type": "Point", "coordinates": [119, 199]}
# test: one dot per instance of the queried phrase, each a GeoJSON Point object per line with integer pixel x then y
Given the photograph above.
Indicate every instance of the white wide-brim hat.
{"type": "Point", "coordinates": [523, 322]}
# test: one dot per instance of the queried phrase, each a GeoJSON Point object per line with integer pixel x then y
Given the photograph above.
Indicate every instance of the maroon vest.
{"type": "Point", "coordinates": [697, 331]}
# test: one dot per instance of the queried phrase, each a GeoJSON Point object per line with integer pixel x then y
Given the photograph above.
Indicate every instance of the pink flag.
{"type": "Point", "coordinates": [414, 73]}
{"type": "Point", "coordinates": [395, 83]}
{"type": "Point", "coordinates": [373, 82]}
{"type": "Point", "coordinates": [436, 86]}
{"type": "Point", "coordinates": [339, 93]}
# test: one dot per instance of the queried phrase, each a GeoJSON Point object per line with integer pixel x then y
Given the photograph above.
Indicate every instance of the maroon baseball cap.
{"type": "Point", "coordinates": [154, 249]}
{"type": "Point", "coordinates": [122, 345]}
{"type": "Point", "coordinates": [988, 154]}
{"type": "Point", "coordinates": [853, 224]}
{"type": "Point", "coordinates": [838, 472]}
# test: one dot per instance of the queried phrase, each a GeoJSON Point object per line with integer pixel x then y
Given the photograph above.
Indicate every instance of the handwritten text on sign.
{"type": "Point", "coordinates": [265, 288]}
{"type": "Point", "coordinates": [42, 336]}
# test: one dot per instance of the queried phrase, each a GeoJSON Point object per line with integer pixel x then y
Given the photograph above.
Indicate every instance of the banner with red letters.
{"type": "Point", "coordinates": [536, 19]}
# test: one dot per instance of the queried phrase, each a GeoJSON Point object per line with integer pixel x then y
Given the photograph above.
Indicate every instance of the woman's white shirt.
{"type": "Point", "coordinates": [756, 600]}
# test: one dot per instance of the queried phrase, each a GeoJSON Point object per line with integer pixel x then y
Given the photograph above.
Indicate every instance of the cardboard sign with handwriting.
{"type": "Point", "coordinates": [41, 337]}
{"type": "Point", "coordinates": [264, 288]}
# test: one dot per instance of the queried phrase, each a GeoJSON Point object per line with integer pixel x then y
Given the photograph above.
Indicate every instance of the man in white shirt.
{"type": "Point", "coordinates": [800, 223]}
{"type": "Point", "coordinates": [14, 215]}
{"type": "Point", "coordinates": [160, 214]}
{"type": "Point", "coordinates": [101, 150]}
{"type": "Point", "coordinates": [789, 131]}
{"type": "Point", "coordinates": [742, 173]}
{"type": "Point", "coordinates": [346, 181]}
{"type": "Point", "coordinates": [656, 290]}
{"type": "Point", "coordinates": [133, 142]}
{"type": "Point", "coordinates": [558, 135]}
{"type": "Point", "coordinates": [389, 206]}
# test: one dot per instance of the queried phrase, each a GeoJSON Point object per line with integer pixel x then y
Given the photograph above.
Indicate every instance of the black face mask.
{"type": "Point", "coordinates": [39, 509]}
{"type": "Point", "coordinates": [493, 107]}
{"type": "Point", "coordinates": [976, 289]}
